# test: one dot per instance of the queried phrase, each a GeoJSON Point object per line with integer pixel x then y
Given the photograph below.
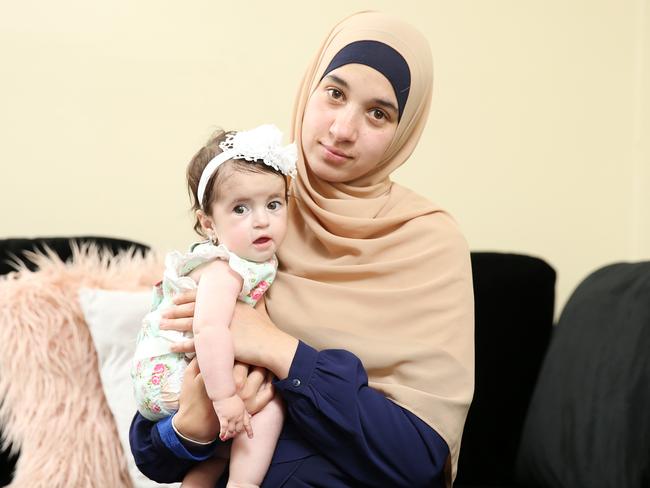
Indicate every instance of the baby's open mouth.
{"type": "Point", "coordinates": [262, 240]}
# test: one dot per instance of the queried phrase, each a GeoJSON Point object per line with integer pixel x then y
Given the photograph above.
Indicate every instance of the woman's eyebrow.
{"type": "Point", "coordinates": [338, 80]}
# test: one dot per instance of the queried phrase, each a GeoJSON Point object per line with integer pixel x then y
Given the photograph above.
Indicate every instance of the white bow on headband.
{"type": "Point", "coordinates": [262, 143]}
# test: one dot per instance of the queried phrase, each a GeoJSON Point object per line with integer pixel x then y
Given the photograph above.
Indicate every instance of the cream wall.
{"type": "Point", "coordinates": [538, 140]}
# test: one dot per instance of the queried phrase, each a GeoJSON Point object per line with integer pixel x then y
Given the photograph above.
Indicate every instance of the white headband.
{"type": "Point", "coordinates": [262, 143]}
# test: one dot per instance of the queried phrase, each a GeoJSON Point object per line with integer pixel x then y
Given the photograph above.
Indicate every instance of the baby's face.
{"type": "Point", "coordinates": [250, 215]}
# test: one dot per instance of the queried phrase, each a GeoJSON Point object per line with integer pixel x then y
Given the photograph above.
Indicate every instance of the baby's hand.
{"type": "Point", "coordinates": [233, 417]}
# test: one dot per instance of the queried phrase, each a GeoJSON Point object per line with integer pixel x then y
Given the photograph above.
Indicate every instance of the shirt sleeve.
{"type": "Point", "coordinates": [158, 452]}
{"type": "Point", "coordinates": [368, 437]}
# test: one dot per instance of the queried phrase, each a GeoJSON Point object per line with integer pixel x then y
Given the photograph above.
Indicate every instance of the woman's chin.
{"type": "Point", "coordinates": [328, 172]}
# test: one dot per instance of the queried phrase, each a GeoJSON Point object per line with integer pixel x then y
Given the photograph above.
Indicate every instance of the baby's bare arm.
{"type": "Point", "coordinates": [217, 293]}
{"type": "Point", "coordinates": [253, 383]}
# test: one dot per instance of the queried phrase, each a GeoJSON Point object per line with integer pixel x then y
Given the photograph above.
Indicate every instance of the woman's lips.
{"type": "Point", "coordinates": [334, 155]}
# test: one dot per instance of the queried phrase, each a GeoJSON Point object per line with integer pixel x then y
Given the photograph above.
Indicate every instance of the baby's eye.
{"type": "Point", "coordinates": [335, 93]}
{"type": "Point", "coordinates": [274, 205]}
{"type": "Point", "coordinates": [240, 209]}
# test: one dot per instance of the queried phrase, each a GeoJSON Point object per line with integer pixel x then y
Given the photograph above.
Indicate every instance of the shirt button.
{"type": "Point", "coordinates": [295, 382]}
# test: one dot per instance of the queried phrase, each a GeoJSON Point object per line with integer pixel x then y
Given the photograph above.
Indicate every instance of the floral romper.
{"type": "Point", "coordinates": [157, 373]}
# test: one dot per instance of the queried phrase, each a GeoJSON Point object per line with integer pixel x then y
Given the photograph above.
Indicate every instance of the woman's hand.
{"type": "Point", "coordinates": [195, 418]}
{"type": "Point", "coordinates": [179, 316]}
{"type": "Point", "coordinates": [258, 341]}
{"type": "Point", "coordinates": [254, 386]}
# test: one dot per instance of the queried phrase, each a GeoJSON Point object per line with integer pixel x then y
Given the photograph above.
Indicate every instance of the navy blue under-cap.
{"type": "Point", "coordinates": [381, 57]}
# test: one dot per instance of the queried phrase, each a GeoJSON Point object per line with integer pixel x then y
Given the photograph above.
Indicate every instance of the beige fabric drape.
{"type": "Point", "coordinates": [373, 268]}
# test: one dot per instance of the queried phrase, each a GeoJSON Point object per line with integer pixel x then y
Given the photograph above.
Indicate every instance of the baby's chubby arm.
{"type": "Point", "coordinates": [217, 292]}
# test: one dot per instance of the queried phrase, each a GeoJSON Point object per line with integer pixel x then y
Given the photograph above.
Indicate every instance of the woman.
{"type": "Point", "coordinates": [373, 348]}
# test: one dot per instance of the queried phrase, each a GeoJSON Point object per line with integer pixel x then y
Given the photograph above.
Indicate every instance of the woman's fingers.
{"type": "Point", "coordinates": [262, 399]}
{"type": "Point", "coordinates": [183, 311]}
{"type": "Point", "coordinates": [253, 382]}
{"type": "Point", "coordinates": [239, 375]}
{"type": "Point", "coordinates": [181, 325]}
{"type": "Point", "coordinates": [179, 316]}
{"type": "Point", "coordinates": [252, 393]}
{"type": "Point", "coordinates": [191, 371]}
{"type": "Point", "coordinates": [260, 396]}
{"type": "Point", "coordinates": [185, 297]}
{"type": "Point", "coordinates": [183, 347]}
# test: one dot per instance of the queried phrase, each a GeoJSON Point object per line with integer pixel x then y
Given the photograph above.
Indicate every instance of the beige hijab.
{"type": "Point", "coordinates": [375, 269]}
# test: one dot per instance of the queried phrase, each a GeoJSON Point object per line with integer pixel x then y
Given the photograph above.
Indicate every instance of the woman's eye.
{"type": "Point", "coordinates": [274, 205]}
{"type": "Point", "coordinates": [378, 114]}
{"type": "Point", "coordinates": [334, 93]}
{"type": "Point", "coordinates": [239, 209]}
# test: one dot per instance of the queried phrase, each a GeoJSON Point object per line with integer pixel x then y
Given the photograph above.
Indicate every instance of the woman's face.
{"type": "Point", "coordinates": [349, 122]}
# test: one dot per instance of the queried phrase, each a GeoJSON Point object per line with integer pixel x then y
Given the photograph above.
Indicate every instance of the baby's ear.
{"type": "Point", "coordinates": [207, 224]}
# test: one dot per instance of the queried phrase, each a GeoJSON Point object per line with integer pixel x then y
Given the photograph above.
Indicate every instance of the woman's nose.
{"type": "Point", "coordinates": [344, 125]}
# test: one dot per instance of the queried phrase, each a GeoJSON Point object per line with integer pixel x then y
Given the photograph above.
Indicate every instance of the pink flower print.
{"type": "Point", "coordinates": [263, 286]}
{"type": "Point", "coordinates": [155, 380]}
{"type": "Point", "coordinates": [258, 291]}
{"type": "Point", "coordinates": [159, 368]}
{"type": "Point", "coordinates": [155, 408]}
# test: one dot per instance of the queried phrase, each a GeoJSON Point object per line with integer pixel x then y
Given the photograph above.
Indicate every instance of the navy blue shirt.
{"type": "Point", "coordinates": [338, 432]}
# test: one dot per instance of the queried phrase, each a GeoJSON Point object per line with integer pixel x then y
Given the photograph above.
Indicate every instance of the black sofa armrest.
{"type": "Point", "coordinates": [16, 247]}
{"type": "Point", "coordinates": [514, 298]}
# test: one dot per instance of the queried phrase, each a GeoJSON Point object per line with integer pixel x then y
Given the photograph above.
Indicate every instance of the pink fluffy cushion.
{"type": "Point", "coordinates": [53, 407]}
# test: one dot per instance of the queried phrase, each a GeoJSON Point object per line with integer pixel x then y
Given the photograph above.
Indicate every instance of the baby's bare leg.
{"type": "Point", "coordinates": [205, 474]}
{"type": "Point", "coordinates": [250, 458]}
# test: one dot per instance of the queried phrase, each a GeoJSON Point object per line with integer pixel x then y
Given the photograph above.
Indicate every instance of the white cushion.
{"type": "Point", "coordinates": [114, 319]}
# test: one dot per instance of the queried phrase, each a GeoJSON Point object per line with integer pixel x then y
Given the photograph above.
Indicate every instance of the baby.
{"type": "Point", "coordinates": [238, 182]}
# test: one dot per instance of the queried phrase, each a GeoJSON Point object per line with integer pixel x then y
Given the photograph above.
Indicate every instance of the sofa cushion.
{"type": "Point", "coordinates": [588, 422]}
{"type": "Point", "coordinates": [114, 318]}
